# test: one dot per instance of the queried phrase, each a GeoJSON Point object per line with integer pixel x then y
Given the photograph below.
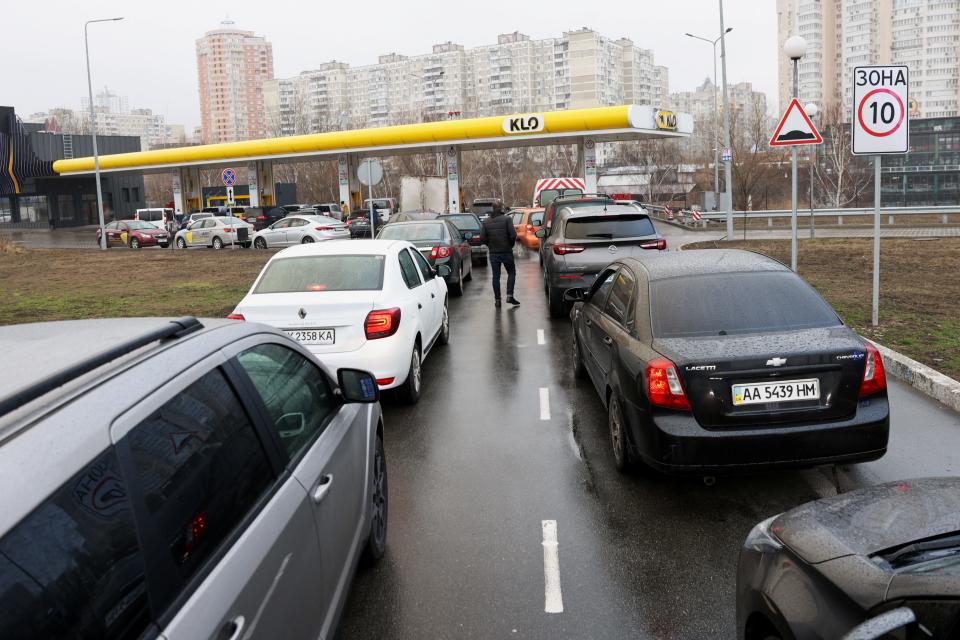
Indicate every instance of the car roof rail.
{"type": "Point", "coordinates": [173, 329]}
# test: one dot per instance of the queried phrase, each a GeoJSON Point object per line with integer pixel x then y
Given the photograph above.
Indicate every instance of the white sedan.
{"type": "Point", "coordinates": [375, 305]}
{"type": "Point", "coordinates": [216, 232]}
{"type": "Point", "coordinates": [300, 229]}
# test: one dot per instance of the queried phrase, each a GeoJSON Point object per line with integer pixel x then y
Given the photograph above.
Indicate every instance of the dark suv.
{"type": "Point", "coordinates": [575, 202]}
{"type": "Point", "coordinates": [177, 478]}
{"type": "Point", "coordinates": [584, 240]}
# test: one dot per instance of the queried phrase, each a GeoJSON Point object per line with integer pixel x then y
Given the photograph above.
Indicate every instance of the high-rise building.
{"type": "Point", "coordinates": [517, 74]}
{"type": "Point", "coordinates": [842, 34]}
{"type": "Point", "coordinates": [232, 66]}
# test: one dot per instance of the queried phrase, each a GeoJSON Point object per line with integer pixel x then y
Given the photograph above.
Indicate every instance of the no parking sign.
{"type": "Point", "coordinates": [880, 122]}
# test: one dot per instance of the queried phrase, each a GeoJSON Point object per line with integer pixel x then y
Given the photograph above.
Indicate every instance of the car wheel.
{"type": "Point", "coordinates": [469, 273]}
{"type": "Point", "coordinates": [377, 542]}
{"type": "Point", "coordinates": [260, 243]}
{"type": "Point", "coordinates": [164, 246]}
{"type": "Point", "coordinates": [618, 434]}
{"type": "Point", "coordinates": [457, 287]}
{"type": "Point", "coordinates": [444, 326]}
{"type": "Point", "coordinates": [409, 391]}
{"type": "Point", "coordinates": [217, 243]}
{"type": "Point", "coordinates": [482, 261]}
{"type": "Point", "coordinates": [306, 240]}
{"type": "Point", "coordinates": [579, 371]}
{"type": "Point", "coordinates": [134, 243]}
{"type": "Point", "coordinates": [181, 243]}
{"type": "Point", "coordinates": [556, 303]}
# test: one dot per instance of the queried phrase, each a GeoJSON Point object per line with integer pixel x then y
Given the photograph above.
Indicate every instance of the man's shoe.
{"type": "Point", "coordinates": [513, 301]}
{"type": "Point", "coordinates": [497, 303]}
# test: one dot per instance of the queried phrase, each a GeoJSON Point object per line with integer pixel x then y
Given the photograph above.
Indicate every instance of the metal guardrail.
{"type": "Point", "coordinates": [805, 213]}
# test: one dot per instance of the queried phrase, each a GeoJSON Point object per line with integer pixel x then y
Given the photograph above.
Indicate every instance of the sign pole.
{"type": "Point", "coordinates": [793, 215]}
{"type": "Point", "coordinates": [876, 240]}
{"type": "Point", "coordinates": [373, 214]}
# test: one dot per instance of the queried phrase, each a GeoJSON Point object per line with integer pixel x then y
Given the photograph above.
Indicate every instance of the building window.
{"type": "Point", "coordinates": [136, 194]}
{"type": "Point", "coordinates": [6, 210]}
{"type": "Point", "coordinates": [33, 209]}
{"type": "Point", "coordinates": [126, 194]}
{"type": "Point", "coordinates": [66, 211]}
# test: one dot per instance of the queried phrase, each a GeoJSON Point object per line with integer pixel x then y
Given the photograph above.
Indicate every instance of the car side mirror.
{"type": "Point", "coordinates": [879, 626]}
{"type": "Point", "coordinates": [541, 233]}
{"type": "Point", "coordinates": [576, 294]}
{"type": "Point", "coordinates": [443, 270]}
{"type": "Point", "coordinates": [468, 235]}
{"type": "Point", "coordinates": [358, 386]}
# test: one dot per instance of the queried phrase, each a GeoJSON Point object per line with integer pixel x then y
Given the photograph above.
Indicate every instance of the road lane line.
{"type": "Point", "coordinates": [552, 595]}
{"type": "Point", "coordinates": [544, 403]}
{"type": "Point", "coordinates": [541, 338]}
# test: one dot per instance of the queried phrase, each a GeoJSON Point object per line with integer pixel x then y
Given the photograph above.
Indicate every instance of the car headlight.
{"type": "Point", "coordinates": [761, 539]}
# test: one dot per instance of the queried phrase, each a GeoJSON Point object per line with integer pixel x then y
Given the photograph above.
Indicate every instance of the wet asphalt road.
{"type": "Point", "coordinates": [474, 470]}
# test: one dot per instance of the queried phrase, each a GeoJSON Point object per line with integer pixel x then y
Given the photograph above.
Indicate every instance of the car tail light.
{"type": "Point", "coordinates": [385, 381]}
{"type": "Point", "coordinates": [659, 245]}
{"type": "Point", "coordinates": [324, 228]}
{"type": "Point", "coordinates": [442, 251]}
{"type": "Point", "coordinates": [664, 388]}
{"type": "Point", "coordinates": [564, 249]}
{"type": "Point", "coordinates": [228, 229]}
{"type": "Point", "coordinates": [235, 316]}
{"type": "Point", "coordinates": [261, 218]}
{"type": "Point", "coordinates": [382, 323]}
{"type": "Point", "coordinates": [874, 375]}
{"type": "Point", "coordinates": [531, 228]}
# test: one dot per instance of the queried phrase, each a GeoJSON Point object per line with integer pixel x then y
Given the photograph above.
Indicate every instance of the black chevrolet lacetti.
{"type": "Point", "coordinates": [720, 360]}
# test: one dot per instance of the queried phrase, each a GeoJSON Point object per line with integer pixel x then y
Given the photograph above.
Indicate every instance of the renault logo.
{"type": "Point", "coordinates": [612, 248]}
{"type": "Point", "coordinates": [303, 314]}
{"type": "Point", "coordinates": [776, 362]}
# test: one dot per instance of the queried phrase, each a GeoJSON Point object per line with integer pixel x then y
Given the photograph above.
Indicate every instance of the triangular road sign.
{"type": "Point", "coordinates": [795, 128]}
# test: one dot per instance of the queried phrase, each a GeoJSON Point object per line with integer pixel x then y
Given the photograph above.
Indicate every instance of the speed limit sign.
{"type": "Point", "coordinates": [880, 122]}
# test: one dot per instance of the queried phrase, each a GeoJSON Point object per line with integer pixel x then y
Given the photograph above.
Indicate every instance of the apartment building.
{"type": "Point", "coordinates": [232, 66]}
{"type": "Point", "coordinates": [579, 69]}
{"type": "Point", "coordinates": [842, 34]}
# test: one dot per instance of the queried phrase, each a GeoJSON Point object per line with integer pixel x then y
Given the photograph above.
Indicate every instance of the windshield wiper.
{"type": "Point", "coordinates": [918, 551]}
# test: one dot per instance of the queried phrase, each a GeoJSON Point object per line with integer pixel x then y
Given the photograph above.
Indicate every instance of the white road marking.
{"type": "Point", "coordinates": [552, 595]}
{"type": "Point", "coordinates": [544, 403]}
{"type": "Point", "coordinates": [541, 338]}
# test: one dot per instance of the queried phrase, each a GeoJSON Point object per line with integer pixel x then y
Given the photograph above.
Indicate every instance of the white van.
{"type": "Point", "coordinates": [385, 207]}
{"type": "Point", "coordinates": [157, 217]}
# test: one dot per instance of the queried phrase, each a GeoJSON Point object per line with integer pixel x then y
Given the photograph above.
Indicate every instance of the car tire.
{"type": "Point", "coordinates": [579, 370]}
{"type": "Point", "coordinates": [409, 391]}
{"type": "Point", "coordinates": [260, 243]}
{"type": "Point", "coordinates": [134, 243]}
{"type": "Point", "coordinates": [457, 287]}
{"type": "Point", "coordinates": [181, 243]}
{"type": "Point", "coordinates": [246, 245]}
{"type": "Point", "coordinates": [556, 303]}
{"type": "Point", "coordinates": [469, 273]}
{"type": "Point", "coordinates": [164, 246]}
{"type": "Point", "coordinates": [307, 240]}
{"type": "Point", "coordinates": [617, 427]}
{"type": "Point", "coordinates": [217, 243]}
{"type": "Point", "coordinates": [444, 325]}
{"type": "Point", "coordinates": [379, 500]}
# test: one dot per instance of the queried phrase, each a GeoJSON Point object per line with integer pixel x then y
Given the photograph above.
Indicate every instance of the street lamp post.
{"type": "Point", "coordinates": [727, 169]}
{"type": "Point", "coordinates": [795, 47]}
{"type": "Point", "coordinates": [93, 130]}
{"type": "Point", "coordinates": [716, 113]}
{"type": "Point", "coordinates": [811, 110]}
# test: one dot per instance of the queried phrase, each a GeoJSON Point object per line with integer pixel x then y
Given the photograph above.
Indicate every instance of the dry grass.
{"type": "Point", "coordinates": [919, 289]}
{"type": "Point", "coordinates": [7, 245]}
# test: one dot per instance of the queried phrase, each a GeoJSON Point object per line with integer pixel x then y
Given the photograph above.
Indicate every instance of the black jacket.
{"type": "Point", "coordinates": [498, 234]}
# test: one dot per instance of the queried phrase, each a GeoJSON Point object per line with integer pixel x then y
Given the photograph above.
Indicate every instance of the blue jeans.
{"type": "Point", "coordinates": [505, 259]}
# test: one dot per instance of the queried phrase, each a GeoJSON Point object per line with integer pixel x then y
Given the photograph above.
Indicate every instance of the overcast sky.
{"type": "Point", "coordinates": [150, 56]}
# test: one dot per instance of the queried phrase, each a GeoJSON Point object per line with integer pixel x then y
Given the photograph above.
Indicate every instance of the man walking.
{"type": "Point", "coordinates": [499, 235]}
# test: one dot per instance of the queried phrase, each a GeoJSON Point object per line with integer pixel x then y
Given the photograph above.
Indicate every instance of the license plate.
{"type": "Point", "coordinates": [312, 336]}
{"type": "Point", "coordinates": [785, 391]}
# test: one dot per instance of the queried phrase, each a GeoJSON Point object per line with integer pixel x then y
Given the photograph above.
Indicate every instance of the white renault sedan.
{"type": "Point", "coordinates": [300, 229]}
{"type": "Point", "coordinates": [375, 305]}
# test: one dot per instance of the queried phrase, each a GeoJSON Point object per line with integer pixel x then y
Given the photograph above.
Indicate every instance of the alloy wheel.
{"type": "Point", "coordinates": [415, 370]}
{"type": "Point", "coordinates": [616, 433]}
{"type": "Point", "coordinates": [379, 497]}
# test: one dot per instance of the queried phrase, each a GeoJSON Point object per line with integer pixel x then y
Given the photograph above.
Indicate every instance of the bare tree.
{"type": "Point", "coordinates": [841, 177]}
{"type": "Point", "coordinates": [755, 163]}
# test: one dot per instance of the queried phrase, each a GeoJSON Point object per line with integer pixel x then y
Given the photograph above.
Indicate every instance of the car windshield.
{"type": "Point", "coordinates": [136, 225]}
{"type": "Point", "coordinates": [736, 303]}
{"type": "Point", "coordinates": [464, 222]}
{"type": "Point", "coordinates": [609, 226]}
{"type": "Point", "coordinates": [412, 232]}
{"type": "Point", "coordinates": [227, 220]}
{"type": "Point", "coordinates": [482, 209]}
{"type": "Point", "coordinates": [322, 273]}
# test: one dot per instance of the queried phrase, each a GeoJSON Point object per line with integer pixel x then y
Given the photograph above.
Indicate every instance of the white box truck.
{"type": "Point", "coordinates": [427, 193]}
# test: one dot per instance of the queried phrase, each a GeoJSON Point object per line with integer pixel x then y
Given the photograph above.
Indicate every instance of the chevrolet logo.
{"type": "Point", "coordinates": [776, 362]}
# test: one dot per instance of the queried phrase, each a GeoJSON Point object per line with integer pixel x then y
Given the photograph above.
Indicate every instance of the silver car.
{"type": "Point", "coordinates": [300, 229]}
{"type": "Point", "coordinates": [182, 479]}
{"type": "Point", "coordinates": [216, 232]}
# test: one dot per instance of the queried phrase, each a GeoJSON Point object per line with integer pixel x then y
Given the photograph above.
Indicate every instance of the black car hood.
{"type": "Point", "coordinates": [872, 519]}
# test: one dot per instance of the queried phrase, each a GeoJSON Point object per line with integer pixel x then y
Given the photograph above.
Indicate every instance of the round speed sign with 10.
{"type": "Point", "coordinates": [880, 122]}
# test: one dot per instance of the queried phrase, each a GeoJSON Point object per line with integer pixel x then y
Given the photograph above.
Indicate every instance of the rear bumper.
{"type": "Point", "coordinates": [384, 358]}
{"type": "Point", "coordinates": [674, 442]}
{"type": "Point", "coordinates": [569, 280]}
{"type": "Point", "coordinates": [480, 250]}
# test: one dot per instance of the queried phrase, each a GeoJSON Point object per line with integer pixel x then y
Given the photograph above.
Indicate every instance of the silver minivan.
{"type": "Point", "coordinates": [182, 479]}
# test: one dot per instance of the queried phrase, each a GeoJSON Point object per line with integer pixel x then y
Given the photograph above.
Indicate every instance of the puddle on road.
{"type": "Point", "coordinates": [572, 437]}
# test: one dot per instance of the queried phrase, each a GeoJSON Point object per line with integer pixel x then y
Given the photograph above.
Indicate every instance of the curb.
{"type": "Point", "coordinates": [928, 381]}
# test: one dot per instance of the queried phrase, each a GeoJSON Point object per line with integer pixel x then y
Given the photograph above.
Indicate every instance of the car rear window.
{"type": "Point", "coordinates": [609, 226]}
{"type": "Point", "coordinates": [736, 303]}
{"type": "Point", "coordinates": [465, 223]}
{"type": "Point", "coordinates": [412, 232]}
{"type": "Point", "coordinates": [322, 273]}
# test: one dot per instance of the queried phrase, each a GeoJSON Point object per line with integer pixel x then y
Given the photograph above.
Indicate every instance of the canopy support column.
{"type": "Point", "coordinates": [452, 155]}
{"type": "Point", "coordinates": [260, 180]}
{"type": "Point", "coordinates": [186, 190]}
{"type": "Point", "coordinates": [350, 196]}
{"type": "Point", "coordinates": [587, 164]}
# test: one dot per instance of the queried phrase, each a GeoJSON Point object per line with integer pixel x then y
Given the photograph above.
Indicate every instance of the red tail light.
{"type": "Point", "coordinates": [874, 375]}
{"type": "Point", "coordinates": [235, 316]}
{"type": "Point", "coordinates": [324, 228]}
{"type": "Point", "coordinates": [440, 252]}
{"type": "Point", "coordinates": [664, 388]}
{"type": "Point", "coordinates": [385, 381]}
{"type": "Point", "coordinates": [228, 229]}
{"type": "Point", "coordinates": [261, 218]}
{"type": "Point", "coordinates": [564, 249]}
{"type": "Point", "coordinates": [531, 228]}
{"type": "Point", "coordinates": [382, 323]}
{"type": "Point", "coordinates": [659, 245]}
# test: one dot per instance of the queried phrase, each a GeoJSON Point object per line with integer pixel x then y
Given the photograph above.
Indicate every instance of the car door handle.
{"type": "Point", "coordinates": [607, 340]}
{"type": "Point", "coordinates": [232, 629]}
{"type": "Point", "coordinates": [588, 322]}
{"type": "Point", "coordinates": [320, 491]}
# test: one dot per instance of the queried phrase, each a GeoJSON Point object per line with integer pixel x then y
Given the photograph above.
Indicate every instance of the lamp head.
{"type": "Point", "coordinates": [795, 47]}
